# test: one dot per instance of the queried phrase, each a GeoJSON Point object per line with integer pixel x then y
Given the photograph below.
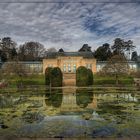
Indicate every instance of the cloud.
{"type": "Point", "coordinates": [70, 25]}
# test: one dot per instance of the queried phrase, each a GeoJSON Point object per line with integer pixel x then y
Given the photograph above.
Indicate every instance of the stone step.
{"type": "Point", "coordinates": [69, 76]}
{"type": "Point", "coordinates": [69, 79]}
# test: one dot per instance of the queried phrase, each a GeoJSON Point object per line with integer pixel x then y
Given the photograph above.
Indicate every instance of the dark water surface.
{"type": "Point", "coordinates": [69, 113]}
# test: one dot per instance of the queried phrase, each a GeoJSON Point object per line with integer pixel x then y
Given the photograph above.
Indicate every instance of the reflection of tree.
{"type": "Point", "coordinates": [54, 98]}
{"type": "Point", "coordinates": [6, 101]}
{"type": "Point", "coordinates": [83, 97]}
{"type": "Point", "coordinates": [111, 107]}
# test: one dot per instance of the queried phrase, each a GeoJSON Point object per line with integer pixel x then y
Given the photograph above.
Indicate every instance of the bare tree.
{"type": "Point", "coordinates": [117, 65]}
{"type": "Point", "coordinates": [31, 51]}
{"type": "Point", "coordinates": [51, 49]}
{"type": "Point", "coordinates": [14, 68]}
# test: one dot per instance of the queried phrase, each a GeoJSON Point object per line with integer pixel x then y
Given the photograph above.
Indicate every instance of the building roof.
{"type": "Point", "coordinates": [57, 54]}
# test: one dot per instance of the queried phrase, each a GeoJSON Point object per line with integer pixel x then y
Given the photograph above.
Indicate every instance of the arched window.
{"type": "Point", "coordinates": [64, 67]}
{"type": "Point", "coordinates": [74, 68]}
{"type": "Point", "coordinates": [69, 67]}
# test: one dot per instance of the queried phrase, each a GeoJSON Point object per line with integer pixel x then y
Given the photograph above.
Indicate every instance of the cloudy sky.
{"type": "Point", "coordinates": [69, 25]}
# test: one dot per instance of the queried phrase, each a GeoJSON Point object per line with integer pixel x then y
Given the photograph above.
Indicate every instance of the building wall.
{"type": "Point", "coordinates": [69, 64]}
{"type": "Point", "coordinates": [35, 67]}
{"type": "Point", "coordinates": [39, 67]}
{"type": "Point", "coordinates": [133, 66]}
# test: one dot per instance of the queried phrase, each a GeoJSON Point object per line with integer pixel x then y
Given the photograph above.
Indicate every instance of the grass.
{"type": "Point", "coordinates": [98, 80]}
{"type": "Point", "coordinates": [110, 80]}
{"type": "Point", "coordinates": [28, 80]}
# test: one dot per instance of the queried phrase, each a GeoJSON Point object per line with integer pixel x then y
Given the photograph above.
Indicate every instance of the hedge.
{"type": "Point", "coordinates": [53, 77]}
{"type": "Point", "coordinates": [48, 75]}
{"type": "Point", "coordinates": [84, 76]}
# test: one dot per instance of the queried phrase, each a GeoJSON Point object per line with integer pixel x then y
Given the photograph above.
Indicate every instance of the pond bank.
{"type": "Point", "coordinates": [13, 138]}
{"type": "Point", "coordinates": [42, 88]}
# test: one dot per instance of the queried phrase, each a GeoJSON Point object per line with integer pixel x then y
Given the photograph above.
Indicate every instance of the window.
{"type": "Point", "coordinates": [74, 68]}
{"type": "Point", "coordinates": [50, 65]}
{"type": "Point", "coordinates": [64, 67]}
{"type": "Point", "coordinates": [69, 68]}
{"type": "Point", "coordinates": [89, 66]}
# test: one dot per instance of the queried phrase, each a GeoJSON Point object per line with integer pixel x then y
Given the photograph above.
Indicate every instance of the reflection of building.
{"type": "Point", "coordinates": [70, 102]}
{"type": "Point", "coordinates": [93, 104]}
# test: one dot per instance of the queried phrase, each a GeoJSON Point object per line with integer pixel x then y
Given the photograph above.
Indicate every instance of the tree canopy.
{"type": "Point", "coordinates": [31, 51]}
{"type": "Point", "coordinates": [61, 50]}
{"type": "Point", "coordinates": [103, 52]}
{"type": "Point", "coordinates": [120, 46]}
{"type": "Point", "coordinates": [7, 49]}
{"type": "Point", "coordinates": [85, 48]}
{"type": "Point", "coordinates": [134, 56]}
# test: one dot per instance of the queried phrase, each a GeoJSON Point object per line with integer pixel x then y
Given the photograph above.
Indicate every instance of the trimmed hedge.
{"type": "Point", "coordinates": [48, 75]}
{"type": "Point", "coordinates": [53, 77]}
{"type": "Point", "coordinates": [90, 77]}
{"type": "Point", "coordinates": [84, 76]}
{"type": "Point", "coordinates": [57, 77]}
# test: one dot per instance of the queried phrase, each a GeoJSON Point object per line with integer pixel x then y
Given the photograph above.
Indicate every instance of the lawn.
{"type": "Point", "coordinates": [40, 80]}
{"type": "Point", "coordinates": [110, 80]}
{"type": "Point", "coordinates": [28, 80]}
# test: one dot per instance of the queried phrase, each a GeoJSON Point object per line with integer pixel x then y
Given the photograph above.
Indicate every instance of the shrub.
{"type": "Point", "coordinates": [90, 77]}
{"type": "Point", "coordinates": [84, 76]}
{"type": "Point", "coordinates": [48, 75]}
{"type": "Point", "coordinates": [56, 77]}
{"type": "Point", "coordinates": [53, 76]}
{"type": "Point", "coordinates": [135, 74]}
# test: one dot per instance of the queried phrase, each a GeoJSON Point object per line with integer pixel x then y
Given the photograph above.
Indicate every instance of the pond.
{"type": "Point", "coordinates": [69, 113]}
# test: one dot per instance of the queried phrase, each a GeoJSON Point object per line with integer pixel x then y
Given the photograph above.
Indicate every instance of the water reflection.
{"type": "Point", "coordinates": [53, 97]}
{"type": "Point", "coordinates": [68, 101]}
{"type": "Point", "coordinates": [84, 97]}
{"type": "Point", "coordinates": [71, 101]}
{"type": "Point", "coordinates": [76, 111]}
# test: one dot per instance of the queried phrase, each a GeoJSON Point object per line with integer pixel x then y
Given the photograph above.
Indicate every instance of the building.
{"type": "Point", "coordinates": [32, 67]}
{"type": "Point", "coordinates": [68, 62]}
{"type": "Point", "coordinates": [133, 65]}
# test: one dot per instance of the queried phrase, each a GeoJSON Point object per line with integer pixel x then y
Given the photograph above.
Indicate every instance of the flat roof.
{"type": "Point", "coordinates": [56, 54]}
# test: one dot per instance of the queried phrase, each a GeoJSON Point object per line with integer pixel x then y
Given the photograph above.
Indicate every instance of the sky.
{"type": "Point", "coordinates": [69, 24]}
